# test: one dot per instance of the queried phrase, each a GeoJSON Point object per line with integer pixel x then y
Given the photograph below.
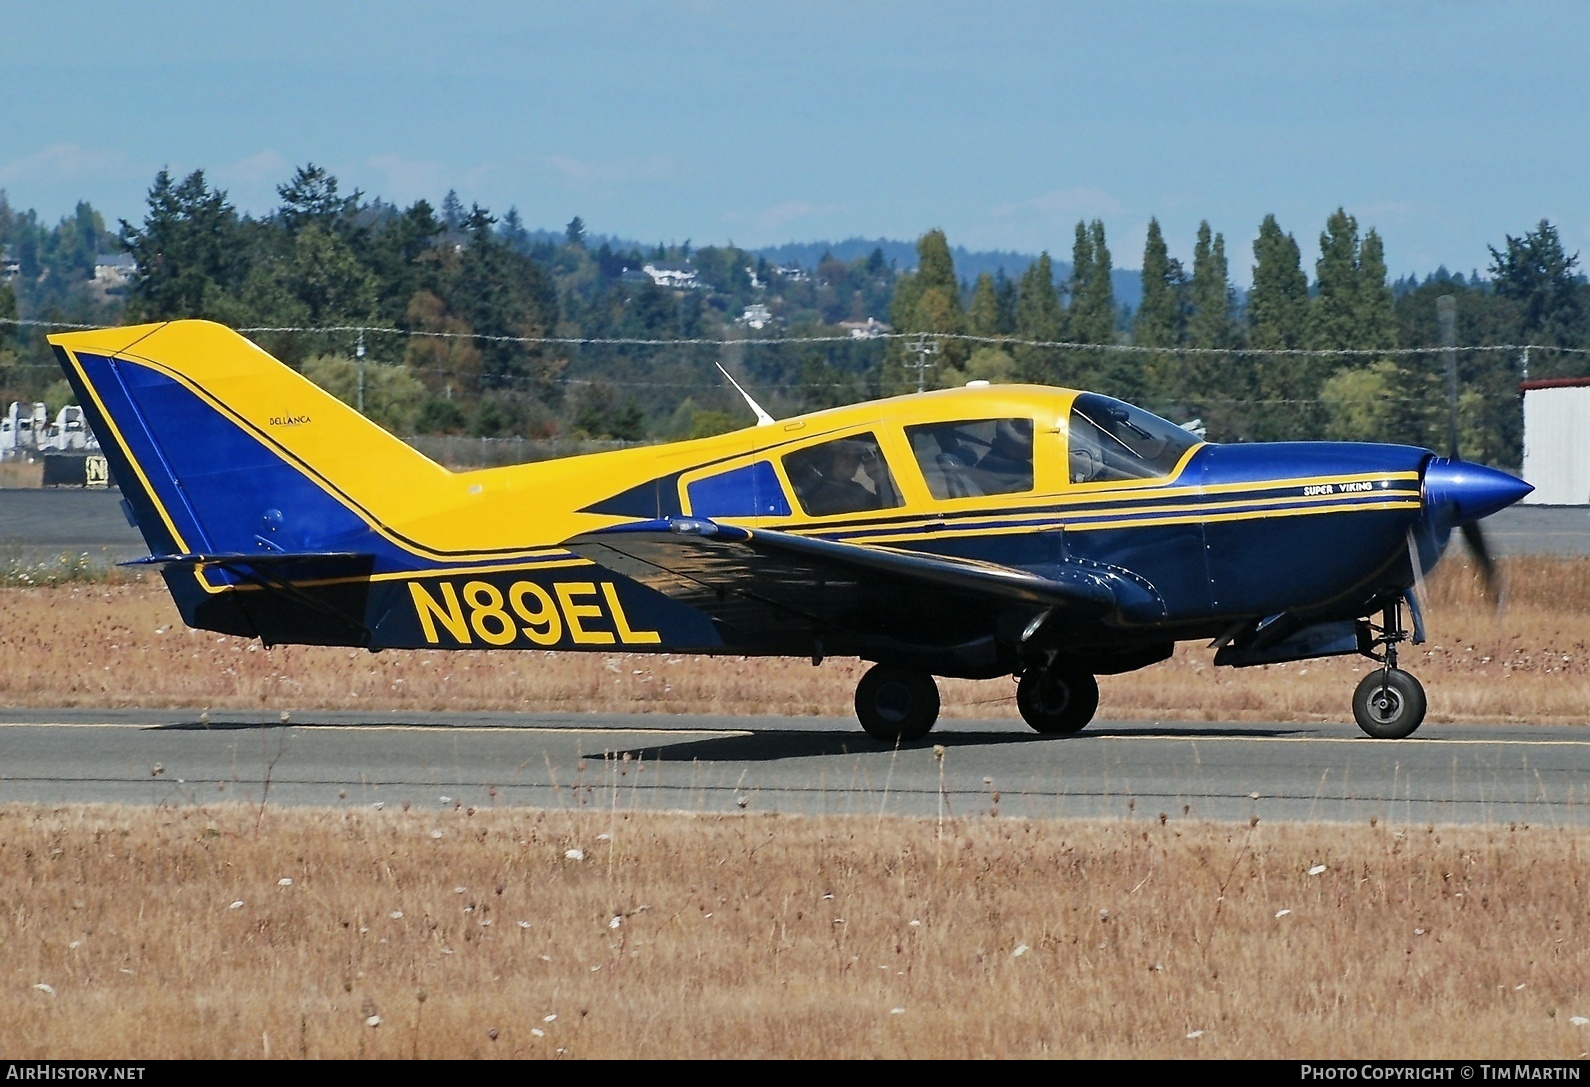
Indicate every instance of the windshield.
{"type": "Point", "coordinates": [1111, 440]}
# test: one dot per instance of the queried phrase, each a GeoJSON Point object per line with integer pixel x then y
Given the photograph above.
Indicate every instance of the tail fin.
{"type": "Point", "coordinates": [220, 449]}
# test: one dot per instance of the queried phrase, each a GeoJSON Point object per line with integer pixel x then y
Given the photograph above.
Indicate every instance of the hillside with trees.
{"type": "Point", "coordinates": [453, 320]}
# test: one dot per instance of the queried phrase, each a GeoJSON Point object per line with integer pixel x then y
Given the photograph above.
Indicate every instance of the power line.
{"type": "Point", "coordinates": [775, 341]}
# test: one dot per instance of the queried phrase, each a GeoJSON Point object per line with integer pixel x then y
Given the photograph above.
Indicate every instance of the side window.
{"type": "Point", "coordinates": [1115, 441]}
{"type": "Point", "coordinates": [848, 475]}
{"type": "Point", "coordinates": [751, 491]}
{"type": "Point", "coordinates": [974, 457]}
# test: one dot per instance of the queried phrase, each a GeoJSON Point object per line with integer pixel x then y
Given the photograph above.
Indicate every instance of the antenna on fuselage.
{"type": "Point", "coordinates": [762, 417]}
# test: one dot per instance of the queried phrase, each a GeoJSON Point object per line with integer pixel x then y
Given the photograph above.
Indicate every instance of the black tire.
{"type": "Point", "coordinates": [1389, 704]}
{"type": "Point", "coordinates": [896, 705]}
{"type": "Point", "coordinates": [1057, 701]}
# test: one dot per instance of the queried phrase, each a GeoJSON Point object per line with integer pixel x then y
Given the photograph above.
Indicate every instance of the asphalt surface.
{"type": "Point", "coordinates": [1473, 774]}
{"type": "Point", "coordinates": [46, 522]}
{"type": "Point", "coordinates": [1445, 773]}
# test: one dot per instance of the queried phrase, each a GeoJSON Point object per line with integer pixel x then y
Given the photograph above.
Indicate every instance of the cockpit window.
{"type": "Point", "coordinates": [1111, 440]}
{"type": "Point", "coordinates": [974, 456]}
{"type": "Point", "coordinates": [848, 475]}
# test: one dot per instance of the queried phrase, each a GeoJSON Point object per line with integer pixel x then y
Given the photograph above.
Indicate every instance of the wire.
{"type": "Point", "coordinates": [775, 341]}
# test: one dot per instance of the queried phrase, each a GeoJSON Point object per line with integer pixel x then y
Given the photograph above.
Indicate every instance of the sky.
{"type": "Point", "coordinates": [1446, 126]}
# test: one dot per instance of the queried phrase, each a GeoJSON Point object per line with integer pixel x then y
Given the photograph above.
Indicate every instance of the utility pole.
{"type": "Point", "coordinates": [922, 348]}
{"type": "Point", "coordinates": [1446, 319]}
{"type": "Point", "coordinates": [358, 353]}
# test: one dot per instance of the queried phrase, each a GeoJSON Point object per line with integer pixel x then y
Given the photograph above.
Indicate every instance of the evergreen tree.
{"type": "Point", "coordinates": [1159, 321]}
{"type": "Point", "coordinates": [1278, 302]}
{"type": "Point", "coordinates": [187, 250]}
{"type": "Point", "coordinates": [927, 301]}
{"type": "Point", "coordinates": [1377, 317]}
{"type": "Point", "coordinates": [1333, 315]}
{"type": "Point", "coordinates": [1038, 317]}
{"type": "Point", "coordinates": [1538, 275]}
{"type": "Point", "coordinates": [1211, 323]}
{"type": "Point", "coordinates": [574, 233]}
{"type": "Point", "coordinates": [982, 316]}
{"type": "Point", "coordinates": [1090, 319]}
{"type": "Point", "coordinates": [310, 198]}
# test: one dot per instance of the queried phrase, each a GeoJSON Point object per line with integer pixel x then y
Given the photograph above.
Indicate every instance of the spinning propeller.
{"type": "Point", "coordinates": [1457, 493]}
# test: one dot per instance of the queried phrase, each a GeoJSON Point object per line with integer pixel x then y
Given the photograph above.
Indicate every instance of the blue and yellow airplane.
{"type": "Point", "coordinates": [981, 532]}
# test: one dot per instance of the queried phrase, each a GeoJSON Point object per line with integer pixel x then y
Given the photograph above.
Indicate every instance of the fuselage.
{"type": "Point", "coordinates": [280, 513]}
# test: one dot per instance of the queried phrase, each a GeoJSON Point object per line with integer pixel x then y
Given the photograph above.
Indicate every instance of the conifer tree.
{"type": "Point", "coordinates": [928, 300]}
{"type": "Point", "coordinates": [1091, 319]}
{"type": "Point", "coordinates": [982, 316]}
{"type": "Point", "coordinates": [1283, 386]}
{"type": "Point", "coordinates": [1218, 386]}
{"type": "Point", "coordinates": [1333, 315]}
{"type": "Point", "coordinates": [1159, 320]}
{"type": "Point", "coordinates": [1038, 317]}
{"type": "Point", "coordinates": [1278, 302]}
{"type": "Point", "coordinates": [1211, 323]}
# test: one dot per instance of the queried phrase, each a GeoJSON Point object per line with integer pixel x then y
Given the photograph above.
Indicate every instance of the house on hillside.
{"type": "Point", "coordinates": [10, 265]}
{"type": "Point", "coordinates": [112, 270]}
{"type": "Point", "coordinates": [756, 316]}
{"type": "Point", "coordinates": [870, 329]}
{"type": "Point", "coordinates": [675, 275]}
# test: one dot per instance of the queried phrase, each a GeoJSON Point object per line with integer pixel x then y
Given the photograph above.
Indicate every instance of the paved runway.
{"type": "Point", "coordinates": [45, 522]}
{"type": "Point", "coordinates": [1444, 774]}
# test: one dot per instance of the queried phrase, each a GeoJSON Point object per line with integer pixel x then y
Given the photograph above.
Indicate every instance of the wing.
{"type": "Point", "coordinates": [774, 589]}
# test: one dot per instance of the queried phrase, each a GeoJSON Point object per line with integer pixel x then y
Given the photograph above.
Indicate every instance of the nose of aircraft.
{"type": "Point", "coordinates": [1457, 492]}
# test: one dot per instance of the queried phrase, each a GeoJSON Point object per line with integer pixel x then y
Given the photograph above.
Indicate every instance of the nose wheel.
{"type": "Point", "coordinates": [1389, 704]}
{"type": "Point", "coordinates": [896, 705]}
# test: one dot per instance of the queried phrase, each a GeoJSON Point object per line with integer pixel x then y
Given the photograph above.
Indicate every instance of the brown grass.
{"type": "Point", "coordinates": [173, 934]}
{"type": "Point", "coordinates": [121, 644]}
{"type": "Point", "coordinates": [20, 473]}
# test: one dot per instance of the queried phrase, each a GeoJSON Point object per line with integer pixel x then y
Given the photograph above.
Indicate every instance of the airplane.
{"type": "Point", "coordinates": [990, 531]}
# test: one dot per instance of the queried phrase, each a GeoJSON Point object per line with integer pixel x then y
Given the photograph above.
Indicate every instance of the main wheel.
{"type": "Point", "coordinates": [1389, 704]}
{"type": "Point", "coordinates": [1057, 701]}
{"type": "Point", "coordinates": [896, 704]}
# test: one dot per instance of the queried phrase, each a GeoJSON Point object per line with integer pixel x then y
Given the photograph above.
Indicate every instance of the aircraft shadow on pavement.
{"type": "Point", "coordinates": [773, 744]}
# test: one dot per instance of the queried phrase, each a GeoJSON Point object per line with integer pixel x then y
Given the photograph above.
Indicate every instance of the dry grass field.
{"type": "Point", "coordinates": [15, 473]}
{"type": "Point", "coordinates": [231, 932]}
{"type": "Point", "coordinates": [120, 643]}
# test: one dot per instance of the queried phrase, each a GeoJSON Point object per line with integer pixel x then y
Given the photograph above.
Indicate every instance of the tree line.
{"type": "Point", "coordinates": [325, 259]}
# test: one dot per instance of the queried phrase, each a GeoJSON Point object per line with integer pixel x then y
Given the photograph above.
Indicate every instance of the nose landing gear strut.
{"type": "Point", "coordinates": [1389, 704]}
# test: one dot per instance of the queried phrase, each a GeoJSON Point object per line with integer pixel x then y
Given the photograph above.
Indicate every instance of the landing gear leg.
{"type": "Point", "coordinates": [896, 705]}
{"type": "Point", "coordinates": [1057, 700]}
{"type": "Point", "coordinates": [1389, 704]}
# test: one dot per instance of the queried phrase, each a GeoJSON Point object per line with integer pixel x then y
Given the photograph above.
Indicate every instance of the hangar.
{"type": "Point", "coordinates": [1557, 440]}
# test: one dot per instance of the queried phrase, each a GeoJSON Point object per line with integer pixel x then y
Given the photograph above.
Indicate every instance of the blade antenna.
{"type": "Point", "coordinates": [762, 417]}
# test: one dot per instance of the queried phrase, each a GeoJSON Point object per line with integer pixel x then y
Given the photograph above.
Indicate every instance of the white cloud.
{"type": "Point", "coordinates": [64, 162]}
{"type": "Point", "coordinates": [1062, 206]}
{"type": "Point", "coordinates": [264, 168]}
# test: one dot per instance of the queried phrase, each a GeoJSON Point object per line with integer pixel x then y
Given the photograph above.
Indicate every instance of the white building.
{"type": "Point", "coordinates": [1557, 441]}
{"type": "Point", "coordinates": [756, 315]}
{"type": "Point", "coordinates": [671, 274]}
{"type": "Point", "coordinates": [870, 329]}
{"type": "Point", "coordinates": [114, 269]}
